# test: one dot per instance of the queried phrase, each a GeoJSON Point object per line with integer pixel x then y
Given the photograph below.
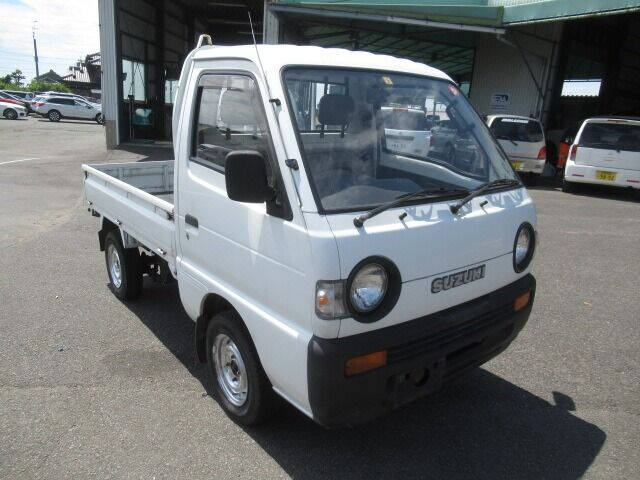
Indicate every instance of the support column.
{"type": "Point", "coordinates": [159, 99]}
{"type": "Point", "coordinates": [111, 70]}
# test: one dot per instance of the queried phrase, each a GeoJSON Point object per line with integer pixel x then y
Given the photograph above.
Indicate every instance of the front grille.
{"type": "Point", "coordinates": [449, 335]}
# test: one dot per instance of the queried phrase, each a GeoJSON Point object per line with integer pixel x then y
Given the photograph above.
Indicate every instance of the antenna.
{"type": "Point", "coordinates": [264, 75]}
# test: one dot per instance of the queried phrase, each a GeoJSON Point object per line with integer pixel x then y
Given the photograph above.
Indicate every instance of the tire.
{"type": "Point", "coordinates": [99, 119]}
{"type": "Point", "coordinates": [241, 387]}
{"type": "Point", "coordinates": [567, 187]}
{"type": "Point", "coordinates": [54, 116]}
{"type": "Point", "coordinates": [10, 114]}
{"type": "Point", "coordinates": [123, 267]}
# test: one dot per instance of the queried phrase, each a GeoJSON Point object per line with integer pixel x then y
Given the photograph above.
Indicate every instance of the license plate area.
{"type": "Point", "coordinates": [605, 175]}
{"type": "Point", "coordinates": [517, 165]}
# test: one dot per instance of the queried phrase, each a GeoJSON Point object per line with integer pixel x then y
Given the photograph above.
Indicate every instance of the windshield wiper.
{"type": "Point", "coordinates": [503, 182]}
{"type": "Point", "coordinates": [426, 193]}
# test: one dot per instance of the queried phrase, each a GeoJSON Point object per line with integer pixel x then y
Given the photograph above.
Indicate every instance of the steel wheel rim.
{"type": "Point", "coordinates": [231, 372]}
{"type": "Point", "coordinates": [115, 269]}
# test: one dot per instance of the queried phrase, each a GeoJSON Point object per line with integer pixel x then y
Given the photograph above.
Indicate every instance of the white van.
{"type": "Point", "coordinates": [522, 139]}
{"type": "Point", "coordinates": [316, 263]}
{"type": "Point", "coordinates": [605, 151]}
{"type": "Point", "coordinates": [405, 130]}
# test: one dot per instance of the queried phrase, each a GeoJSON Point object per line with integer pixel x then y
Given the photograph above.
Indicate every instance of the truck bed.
{"type": "Point", "coordinates": [138, 197]}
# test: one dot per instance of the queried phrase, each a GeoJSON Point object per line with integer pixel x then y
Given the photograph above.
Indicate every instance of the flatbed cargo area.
{"type": "Point", "coordinates": [138, 198]}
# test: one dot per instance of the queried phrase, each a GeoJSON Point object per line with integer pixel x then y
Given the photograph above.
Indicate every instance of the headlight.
{"type": "Point", "coordinates": [368, 287]}
{"type": "Point", "coordinates": [523, 248]}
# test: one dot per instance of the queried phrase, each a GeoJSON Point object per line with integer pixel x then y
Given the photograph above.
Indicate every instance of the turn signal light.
{"type": "Point", "coordinates": [364, 363]}
{"type": "Point", "coordinates": [521, 301]}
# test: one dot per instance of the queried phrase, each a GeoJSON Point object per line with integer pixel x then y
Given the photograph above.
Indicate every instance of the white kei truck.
{"type": "Point", "coordinates": [317, 264]}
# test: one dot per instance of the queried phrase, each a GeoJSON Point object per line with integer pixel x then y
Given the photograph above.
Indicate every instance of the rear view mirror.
{"type": "Point", "coordinates": [246, 177]}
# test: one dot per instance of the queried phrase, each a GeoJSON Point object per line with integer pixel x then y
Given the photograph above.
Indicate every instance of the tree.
{"type": "Point", "coordinates": [16, 77]}
{"type": "Point", "coordinates": [40, 86]}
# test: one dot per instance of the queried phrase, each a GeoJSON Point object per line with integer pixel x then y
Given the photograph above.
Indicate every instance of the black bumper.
{"type": "Point", "coordinates": [421, 355]}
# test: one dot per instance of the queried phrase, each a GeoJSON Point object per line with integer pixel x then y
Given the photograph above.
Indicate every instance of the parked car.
{"type": "Point", "coordinates": [56, 108]}
{"type": "Point", "coordinates": [12, 111]}
{"type": "Point", "coordinates": [405, 130]}
{"type": "Point", "coordinates": [606, 151]}
{"type": "Point", "coordinates": [347, 279]}
{"type": "Point", "coordinates": [443, 140]}
{"type": "Point", "coordinates": [522, 139]}
{"type": "Point", "coordinates": [69, 95]}
{"type": "Point", "coordinates": [26, 96]}
{"type": "Point", "coordinates": [9, 98]}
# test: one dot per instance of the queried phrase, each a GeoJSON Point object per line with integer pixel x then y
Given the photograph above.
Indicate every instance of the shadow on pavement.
{"type": "Point", "coordinates": [479, 427]}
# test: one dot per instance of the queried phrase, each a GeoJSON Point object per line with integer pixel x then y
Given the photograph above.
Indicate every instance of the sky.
{"type": "Point", "coordinates": [67, 30]}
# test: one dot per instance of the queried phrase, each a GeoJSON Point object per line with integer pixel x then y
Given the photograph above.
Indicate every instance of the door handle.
{"type": "Point", "coordinates": [191, 220]}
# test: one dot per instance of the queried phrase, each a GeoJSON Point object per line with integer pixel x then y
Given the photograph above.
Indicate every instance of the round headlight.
{"type": "Point", "coordinates": [523, 247]}
{"type": "Point", "coordinates": [368, 287]}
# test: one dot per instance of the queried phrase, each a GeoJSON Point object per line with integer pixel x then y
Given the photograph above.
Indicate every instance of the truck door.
{"type": "Point", "coordinates": [253, 257]}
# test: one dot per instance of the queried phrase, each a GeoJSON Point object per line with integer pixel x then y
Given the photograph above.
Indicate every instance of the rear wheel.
{"type": "Point", "coordinates": [10, 114]}
{"type": "Point", "coordinates": [240, 384]}
{"type": "Point", "coordinates": [99, 119]}
{"type": "Point", "coordinates": [567, 187]}
{"type": "Point", "coordinates": [123, 267]}
{"type": "Point", "coordinates": [54, 116]}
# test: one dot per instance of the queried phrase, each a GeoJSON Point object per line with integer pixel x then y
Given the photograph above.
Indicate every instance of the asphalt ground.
{"type": "Point", "coordinates": [92, 387]}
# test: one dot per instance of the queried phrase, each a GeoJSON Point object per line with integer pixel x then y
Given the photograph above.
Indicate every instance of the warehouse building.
{"type": "Point", "coordinates": [557, 60]}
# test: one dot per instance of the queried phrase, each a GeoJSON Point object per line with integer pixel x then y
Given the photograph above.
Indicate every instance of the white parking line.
{"type": "Point", "coordinates": [21, 160]}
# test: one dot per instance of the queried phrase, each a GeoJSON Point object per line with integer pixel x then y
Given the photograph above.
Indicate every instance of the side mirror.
{"type": "Point", "coordinates": [246, 177]}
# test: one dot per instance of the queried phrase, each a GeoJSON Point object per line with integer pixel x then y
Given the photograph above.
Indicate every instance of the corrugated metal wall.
{"type": "Point", "coordinates": [500, 69]}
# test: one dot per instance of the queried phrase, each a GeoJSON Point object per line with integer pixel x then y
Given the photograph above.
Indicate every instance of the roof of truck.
{"type": "Point", "coordinates": [274, 57]}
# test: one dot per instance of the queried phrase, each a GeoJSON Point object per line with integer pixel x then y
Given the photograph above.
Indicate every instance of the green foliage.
{"type": "Point", "coordinates": [40, 86]}
{"type": "Point", "coordinates": [13, 81]}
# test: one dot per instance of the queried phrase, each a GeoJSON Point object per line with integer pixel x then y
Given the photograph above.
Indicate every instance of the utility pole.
{"type": "Point", "coordinates": [35, 47]}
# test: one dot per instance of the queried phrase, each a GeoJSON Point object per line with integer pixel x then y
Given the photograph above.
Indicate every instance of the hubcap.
{"type": "Point", "coordinates": [230, 370]}
{"type": "Point", "coordinates": [114, 266]}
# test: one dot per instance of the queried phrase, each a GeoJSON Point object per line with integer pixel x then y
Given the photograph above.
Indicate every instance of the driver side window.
{"type": "Point", "coordinates": [228, 117]}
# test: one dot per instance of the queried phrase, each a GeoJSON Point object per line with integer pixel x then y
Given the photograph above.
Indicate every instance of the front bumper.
{"type": "Point", "coordinates": [421, 355]}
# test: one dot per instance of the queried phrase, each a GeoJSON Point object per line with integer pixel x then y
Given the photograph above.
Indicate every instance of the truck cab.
{"type": "Point", "coordinates": [317, 263]}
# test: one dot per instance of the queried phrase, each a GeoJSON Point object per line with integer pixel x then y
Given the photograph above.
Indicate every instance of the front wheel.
{"type": "Point", "coordinates": [240, 384]}
{"type": "Point", "coordinates": [10, 114]}
{"type": "Point", "coordinates": [123, 267]}
{"type": "Point", "coordinates": [54, 116]}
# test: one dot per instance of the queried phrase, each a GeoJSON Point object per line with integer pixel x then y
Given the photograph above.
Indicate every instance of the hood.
{"type": "Point", "coordinates": [431, 241]}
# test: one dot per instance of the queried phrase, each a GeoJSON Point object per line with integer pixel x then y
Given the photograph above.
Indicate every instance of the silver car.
{"type": "Point", "coordinates": [56, 108]}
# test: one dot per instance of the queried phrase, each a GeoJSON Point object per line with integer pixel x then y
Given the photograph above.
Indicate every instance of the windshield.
{"type": "Point", "coordinates": [367, 137]}
{"type": "Point", "coordinates": [611, 136]}
{"type": "Point", "coordinates": [517, 129]}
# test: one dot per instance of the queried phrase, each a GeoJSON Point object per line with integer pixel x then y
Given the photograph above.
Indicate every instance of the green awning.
{"type": "Point", "coordinates": [495, 13]}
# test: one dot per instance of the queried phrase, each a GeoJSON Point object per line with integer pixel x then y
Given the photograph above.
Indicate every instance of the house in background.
{"type": "Point", "coordinates": [84, 77]}
{"type": "Point", "coordinates": [49, 77]}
